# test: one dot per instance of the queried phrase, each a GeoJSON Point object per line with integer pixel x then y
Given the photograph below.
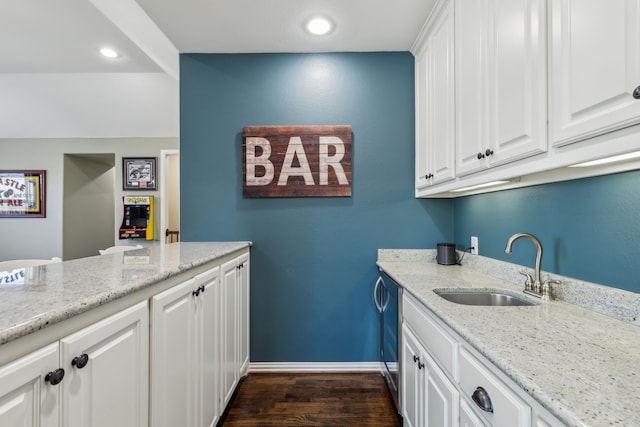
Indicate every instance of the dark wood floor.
{"type": "Point", "coordinates": [312, 399]}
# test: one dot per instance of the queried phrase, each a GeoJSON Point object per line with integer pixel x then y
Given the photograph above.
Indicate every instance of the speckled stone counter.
{"type": "Point", "coordinates": [36, 297]}
{"type": "Point", "coordinates": [583, 366]}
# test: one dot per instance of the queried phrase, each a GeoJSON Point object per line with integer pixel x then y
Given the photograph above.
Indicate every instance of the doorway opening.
{"type": "Point", "coordinates": [87, 209]}
{"type": "Point", "coordinates": [170, 196]}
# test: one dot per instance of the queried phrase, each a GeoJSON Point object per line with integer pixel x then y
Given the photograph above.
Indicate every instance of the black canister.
{"type": "Point", "coordinates": [447, 254]}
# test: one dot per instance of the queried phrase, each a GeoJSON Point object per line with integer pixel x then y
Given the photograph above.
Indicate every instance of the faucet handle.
{"type": "Point", "coordinates": [546, 288]}
{"type": "Point", "coordinates": [528, 283]}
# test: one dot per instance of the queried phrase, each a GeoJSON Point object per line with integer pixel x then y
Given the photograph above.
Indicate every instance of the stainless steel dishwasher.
{"type": "Point", "coordinates": [387, 297]}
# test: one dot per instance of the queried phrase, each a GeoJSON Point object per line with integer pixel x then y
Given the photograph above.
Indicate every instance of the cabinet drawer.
{"type": "Point", "coordinates": [442, 346]}
{"type": "Point", "coordinates": [508, 408]}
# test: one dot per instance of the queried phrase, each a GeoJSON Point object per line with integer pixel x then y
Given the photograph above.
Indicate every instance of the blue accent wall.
{"type": "Point", "coordinates": [313, 263]}
{"type": "Point", "coordinates": [589, 228]}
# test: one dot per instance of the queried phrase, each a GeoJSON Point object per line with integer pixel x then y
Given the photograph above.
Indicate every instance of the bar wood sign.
{"type": "Point", "coordinates": [296, 161]}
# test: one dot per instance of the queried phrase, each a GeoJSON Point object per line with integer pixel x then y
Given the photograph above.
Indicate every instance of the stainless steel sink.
{"type": "Point", "coordinates": [483, 297]}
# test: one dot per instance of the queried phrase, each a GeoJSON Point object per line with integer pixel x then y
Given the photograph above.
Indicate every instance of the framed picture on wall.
{"type": "Point", "coordinates": [139, 173]}
{"type": "Point", "coordinates": [22, 194]}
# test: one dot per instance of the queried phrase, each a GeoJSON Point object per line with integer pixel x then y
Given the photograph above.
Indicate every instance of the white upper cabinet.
{"type": "Point", "coordinates": [594, 69]}
{"type": "Point", "coordinates": [471, 104]}
{"type": "Point", "coordinates": [500, 63]}
{"type": "Point", "coordinates": [435, 101]}
{"type": "Point", "coordinates": [538, 85]}
{"type": "Point", "coordinates": [518, 84]}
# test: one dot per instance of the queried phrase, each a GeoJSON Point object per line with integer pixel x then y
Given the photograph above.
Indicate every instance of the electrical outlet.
{"type": "Point", "coordinates": [474, 245]}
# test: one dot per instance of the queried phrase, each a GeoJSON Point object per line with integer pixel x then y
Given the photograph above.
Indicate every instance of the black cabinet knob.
{"type": "Point", "coordinates": [488, 152]}
{"type": "Point", "coordinates": [420, 365]}
{"type": "Point", "coordinates": [636, 93]}
{"type": "Point", "coordinates": [415, 358]}
{"type": "Point", "coordinates": [198, 291]}
{"type": "Point", "coordinates": [54, 377]}
{"type": "Point", "coordinates": [480, 156]}
{"type": "Point", "coordinates": [80, 361]}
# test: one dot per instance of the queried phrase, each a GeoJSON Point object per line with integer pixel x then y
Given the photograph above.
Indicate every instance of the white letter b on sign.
{"type": "Point", "coordinates": [262, 160]}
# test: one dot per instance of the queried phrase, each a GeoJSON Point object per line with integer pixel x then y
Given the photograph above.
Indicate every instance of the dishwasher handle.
{"type": "Point", "coordinates": [375, 295]}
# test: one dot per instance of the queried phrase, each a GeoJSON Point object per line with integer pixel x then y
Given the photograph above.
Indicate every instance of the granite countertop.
{"type": "Point", "coordinates": [36, 297]}
{"type": "Point", "coordinates": [583, 366]}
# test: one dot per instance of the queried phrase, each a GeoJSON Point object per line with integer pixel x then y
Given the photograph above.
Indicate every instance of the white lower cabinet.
{"type": "Point", "coordinates": [243, 312]}
{"type": "Point", "coordinates": [107, 367]}
{"type": "Point", "coordinates": [199, 345]}
{"type": "Point", "coordinates": [82, 379]}
{"type": "Point", "coordinates": [175, 362]}
{"type": "Point", "coordinates": [412, 387]}
{"type": "Point", "coordinates": [502, 407]}
{"type": "Point", "coordinates": [467, 417]}
{"type": "Point", "coordinates": [234, 323]}
{"type": "Point", "coordinates": [26, 399]}
{"type": "Point", "coordinates": [184, 361]}
{"type": "Point", "coordinates": [430, 398]}
{"type": "Point", "coordinates": [447, 383]}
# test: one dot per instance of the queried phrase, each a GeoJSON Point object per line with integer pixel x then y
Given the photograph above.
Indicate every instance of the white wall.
{"type": "Point", "coordinates": [89, 105]}
{"type": "Point", "coordinates": [42, 237]}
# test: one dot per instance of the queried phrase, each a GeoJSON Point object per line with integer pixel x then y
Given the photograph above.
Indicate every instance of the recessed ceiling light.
{"type": "Point", "coordinates": [319, 25]}
{"type": "Point", "coordinates": [108, 52]}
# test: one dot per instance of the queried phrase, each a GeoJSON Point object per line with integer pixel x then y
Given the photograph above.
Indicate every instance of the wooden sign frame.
{"type": "Point", "coordinates": [296, 161]}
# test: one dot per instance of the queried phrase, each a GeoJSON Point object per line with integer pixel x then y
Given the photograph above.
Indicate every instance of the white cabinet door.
{"type": "Point", "coordinates": [195, 346]}
{"type": "Point", "coordinates": [243, 312]}
{"type": "Point", "coordinates": [440, 99]}
{"type": "Point", "coordinates": [429, 398]}
{"type": "Point", "coordinates": [26, 400]}
{"type": "Point", "coordinates": [423, 147]}
{"type": "Point", "coordinates": [471, 99]}
{"type": "Point", "coordinates": [173, 387]}
{"type": "Point", "coordinates": [411, 381]}
{"type": "Point", "coordinates": [229, 344]}
{"type": "Point", "coordinates": [207, 365]}
{"type": "Point", "coordinates": [112, 387]}
{"type": "Point", "coordinates": [435, 139]}
{"type": "Point", "coordinates": [467, 417]}
{"type": "Point", "coordinates": [594, 69]}
{"type": "Point", "coordinates": [442, 397]}
{"type": "Point", "coordinates": [517, 79]}
{"type": "Point", "coordinates": [500, 82]}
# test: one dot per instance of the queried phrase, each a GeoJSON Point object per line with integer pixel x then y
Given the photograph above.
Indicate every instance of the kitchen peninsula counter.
{"type": "Point", "coordinates": [34, 299]}
{"type": "Point", "coordinates": [584, 367]}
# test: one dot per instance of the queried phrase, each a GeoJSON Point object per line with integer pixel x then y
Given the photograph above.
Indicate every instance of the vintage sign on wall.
{"type": "Point", "coordinates": [22, 193]}
{"type": "Point", "coordinates": [296, 161]}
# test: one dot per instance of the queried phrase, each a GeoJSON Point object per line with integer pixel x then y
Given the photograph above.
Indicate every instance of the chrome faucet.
{"type": "Point", "coordinates": [532, 286]}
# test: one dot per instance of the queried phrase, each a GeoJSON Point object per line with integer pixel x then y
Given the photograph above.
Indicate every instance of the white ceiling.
{"type": "Point", "coordinates": [64, 36]}
{"type": "Point", "coordinates": [277, 25]}
{"type": "Point", "coordinates": [55, 84]}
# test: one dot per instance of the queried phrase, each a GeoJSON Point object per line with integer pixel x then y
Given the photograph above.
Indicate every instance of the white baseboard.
{"type": "Point", "coordinates": [315, 367]}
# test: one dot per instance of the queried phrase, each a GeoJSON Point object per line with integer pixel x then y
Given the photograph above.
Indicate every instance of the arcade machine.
{"type": "Point", "coordinates": [137, 220]}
